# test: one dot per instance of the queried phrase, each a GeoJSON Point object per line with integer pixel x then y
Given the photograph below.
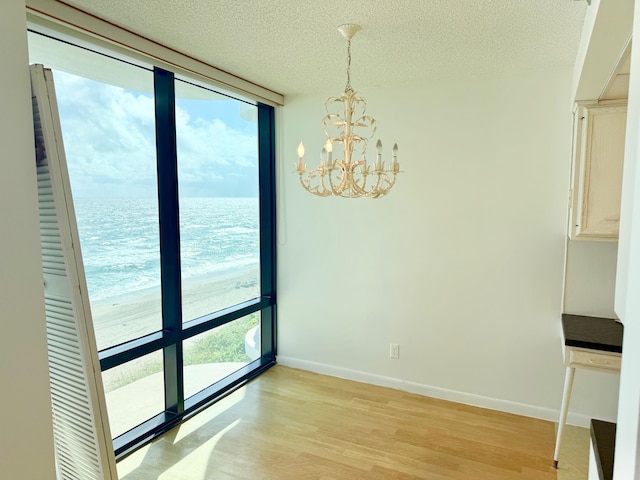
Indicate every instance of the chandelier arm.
{"type": "Point", "coordinates": [360, 140]}
{"type": "Point", "coordinates": [320, 189]}
{"type": "Point", "coordinates": [326, 124]}
{"type": "Point", "coordinates": [348, 191]}
{"type": "Point", "coordinates": [326, 192]}
{"type": "Point", "coordinates": [348, 188]}
{"type": "Point", "coordinates": [350, 184]}
{"type": "Point", "coordinates": [376, 191]}
{"type": "Point", "coordinates": [367, 121]}
{"type": "Point", "coordinates": [387, 182]}
{"type": "Point", "coordinates": [357, 100]}
{"type": "Point", "coordinates": [341, 174]}
{"type": "Point", "coordinates": [329, 191]}
{"type": "Point", "coordinates": [306, 184]}
{"type": "Point", "coordinates": [360, 186]}
{"type": "Point", "coordinates": [360, 190]}
{"type": "Point", "coordinates": [354, 188]}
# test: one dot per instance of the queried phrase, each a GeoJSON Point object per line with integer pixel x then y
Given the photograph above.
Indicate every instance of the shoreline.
{"type": "Point", "coordinates": [134, 314]}
{"type": "Point", "coordinates": [227, 274]}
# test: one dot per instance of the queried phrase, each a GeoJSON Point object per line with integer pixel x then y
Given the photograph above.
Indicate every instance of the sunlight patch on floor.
{"type": "Point", "coordinates": [197, 464]}
{"type": "Point", "coordinates": [182, 453]}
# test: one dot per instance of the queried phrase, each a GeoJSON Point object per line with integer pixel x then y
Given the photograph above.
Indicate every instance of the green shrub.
{"type": "Point", "coordinates": [220, 345]}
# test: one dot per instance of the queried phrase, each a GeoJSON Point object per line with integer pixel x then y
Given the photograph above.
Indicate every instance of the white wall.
{"type": "Point", "coordinates": [462, 264]}
{"type": "Point", "coordinates": [26, 443]}
{"type": "Point", "coordinates": [591, 278]}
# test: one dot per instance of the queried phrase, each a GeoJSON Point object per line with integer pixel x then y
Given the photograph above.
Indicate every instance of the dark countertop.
{"type": "Point", "coordinates": [603, 438]}
{"type": "Point", "coordinates": [592, 332]}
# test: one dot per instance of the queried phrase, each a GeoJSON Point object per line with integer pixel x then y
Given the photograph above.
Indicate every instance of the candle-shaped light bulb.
{"type": "Point", "coordinates": [378, 164]}
{"type": "Point", "coordinates": [395, 166]}
{"type": "Point", "coordinates": [301, 167]}
{"type": "Point", "coordinates": [329, 147]}
{"type": "Point", "coordinates": [323, 155]}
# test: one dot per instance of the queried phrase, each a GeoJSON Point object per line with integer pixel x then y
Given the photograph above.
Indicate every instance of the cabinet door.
{"type": "Point", "coordinates": [601, 156]}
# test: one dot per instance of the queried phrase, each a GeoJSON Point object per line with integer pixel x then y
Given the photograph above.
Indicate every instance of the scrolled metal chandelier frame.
{"type": "Point", "coordinates": [348, 177]}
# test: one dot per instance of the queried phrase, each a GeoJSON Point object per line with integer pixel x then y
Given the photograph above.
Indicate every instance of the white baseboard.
{"type": "Point", "coordinates": [507, 406]}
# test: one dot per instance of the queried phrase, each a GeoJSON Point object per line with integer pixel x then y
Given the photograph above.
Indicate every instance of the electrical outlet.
{"type": "Point", "coordinates": [394, 350]}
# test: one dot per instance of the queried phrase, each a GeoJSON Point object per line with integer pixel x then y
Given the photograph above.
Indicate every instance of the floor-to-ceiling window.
{"type": "Point", "coordinates": [173, 190]}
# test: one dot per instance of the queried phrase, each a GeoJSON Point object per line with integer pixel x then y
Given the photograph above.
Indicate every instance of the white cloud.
{"type": "Point", "coordinates": [109, 136]}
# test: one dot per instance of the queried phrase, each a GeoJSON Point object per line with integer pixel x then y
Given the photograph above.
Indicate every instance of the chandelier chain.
{"type": "Point", "coordinates": [348, 88]}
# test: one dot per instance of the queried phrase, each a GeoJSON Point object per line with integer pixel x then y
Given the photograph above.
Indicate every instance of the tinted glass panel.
{"type": "Point", "coordinates": [109, 140]}
{"type": "Point", "coordinates": [134, 392]}
{"type": "Point", "coordinates": [217, 144]}
{"type": "Point", "coordinates": [213, 355]}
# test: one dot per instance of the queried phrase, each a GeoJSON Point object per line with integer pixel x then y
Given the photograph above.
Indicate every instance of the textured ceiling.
{"type": "Point", "coordinates": [292, 46]}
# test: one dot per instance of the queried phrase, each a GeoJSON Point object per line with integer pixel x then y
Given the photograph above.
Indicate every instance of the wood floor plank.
{"type": "Point", "coordinates": [291, 424]}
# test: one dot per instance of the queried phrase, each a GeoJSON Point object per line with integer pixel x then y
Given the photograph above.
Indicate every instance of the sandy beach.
{"type": "Point", "coordinates": [140, 381]}
{"type": "Point", "coordinates": [120, 319]}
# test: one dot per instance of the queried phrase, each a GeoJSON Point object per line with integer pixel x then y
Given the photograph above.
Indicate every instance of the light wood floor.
{"type": "Point", "coordinates": [290, 424]}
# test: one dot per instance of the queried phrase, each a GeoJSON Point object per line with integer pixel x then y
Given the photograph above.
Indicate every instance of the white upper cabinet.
{"type": "Point", "coordinates": [598, 156]}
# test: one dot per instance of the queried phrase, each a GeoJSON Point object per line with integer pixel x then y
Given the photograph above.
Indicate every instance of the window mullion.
{"type": "Point", "coordinates": [169, 237]}
{"type": "Point", "coordinates": [266, 145]}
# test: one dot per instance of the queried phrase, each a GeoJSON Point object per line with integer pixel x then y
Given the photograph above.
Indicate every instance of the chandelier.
{"type": "Point", "coordinates": [347, 176]}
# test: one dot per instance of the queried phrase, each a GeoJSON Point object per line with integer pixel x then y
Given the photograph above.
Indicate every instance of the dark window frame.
{"type": "Point", "coordinates": [174, 332]}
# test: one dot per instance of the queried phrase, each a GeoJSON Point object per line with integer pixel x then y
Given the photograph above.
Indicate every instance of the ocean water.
{"type": "Point", "coordinates": [119, 238]}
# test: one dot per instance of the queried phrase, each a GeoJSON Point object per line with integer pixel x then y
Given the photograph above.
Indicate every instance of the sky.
{"type": "Point", "coordinates": [109, 141]}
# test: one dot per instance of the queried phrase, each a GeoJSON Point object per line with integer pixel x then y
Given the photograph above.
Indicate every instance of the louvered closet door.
{"type": "Point", "coordinates": [84, 450]}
